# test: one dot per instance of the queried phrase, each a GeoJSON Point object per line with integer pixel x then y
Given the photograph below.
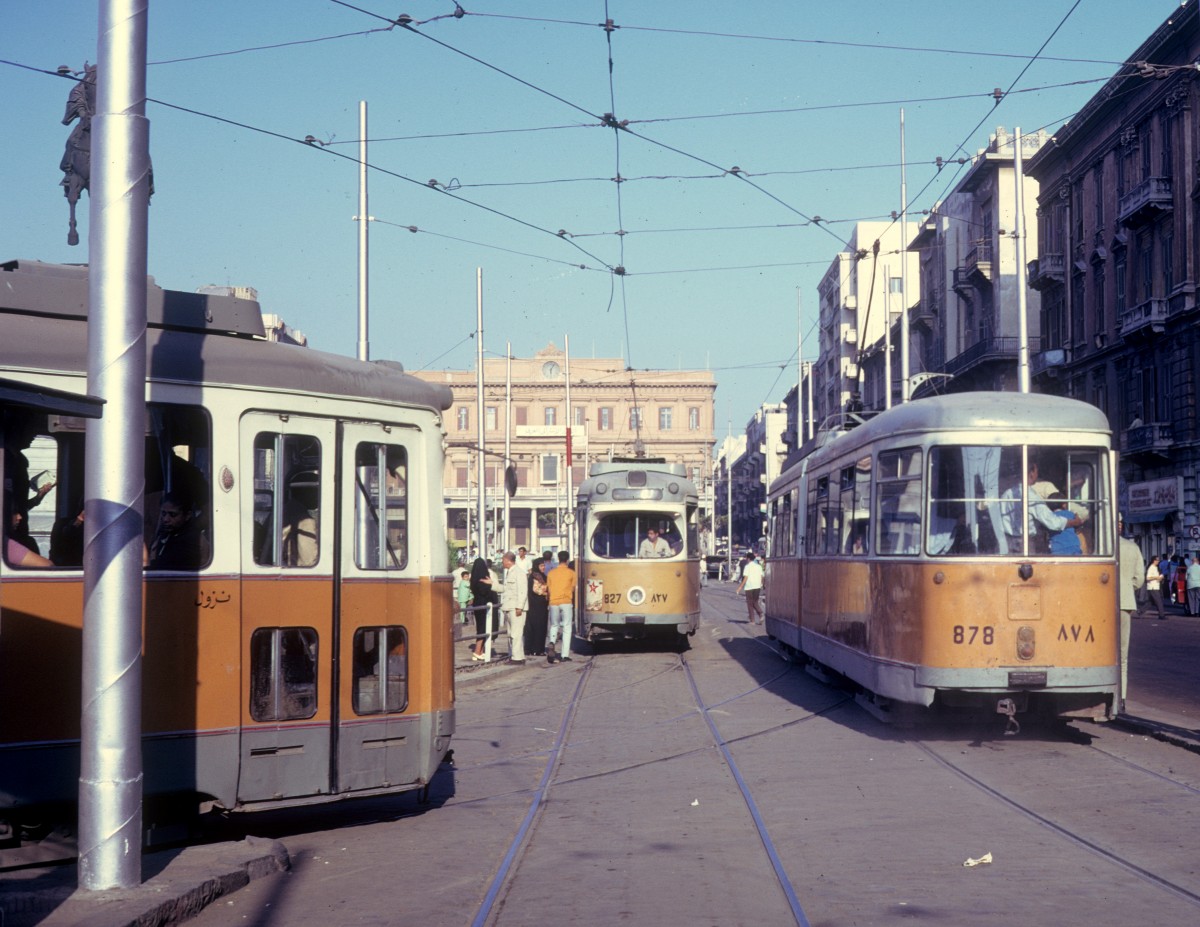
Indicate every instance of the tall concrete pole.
{"type": "Point", "coordinates": [1019, 234]}
{"type": "Point", "coordinates": [569, 451]}
{"type": "Point", "coordinates": [364, 340]}
{"type": "Point", "coordinates": [110, 775]}
{"type": "Point", "coordinates": [887, 340]}
{"type": "Point", "coordinates": [508, 538]}
{"type": "Point", "coordinates": [905, 384]}
{"type": "Point", "coordinates": [481, 466]}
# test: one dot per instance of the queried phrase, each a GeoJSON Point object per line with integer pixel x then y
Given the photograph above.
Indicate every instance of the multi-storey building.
{"type": "Point", "coordinates": [759, 464]}
{"type": "Point", "coordinates": [1117, 268]}
{"type": "Point", "coordinates": [853, 299]}
{"type": "Point", "coordinates": [614, 411]}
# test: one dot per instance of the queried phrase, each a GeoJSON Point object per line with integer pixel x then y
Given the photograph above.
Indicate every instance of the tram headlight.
{"type": "Point", "coordinates": [1025, 643]}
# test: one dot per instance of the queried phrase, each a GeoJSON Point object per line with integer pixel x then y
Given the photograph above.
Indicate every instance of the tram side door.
{"type": "Point", "coordinates": [289, 573]}
{"type": "Point", "coordinates": [383, 613]}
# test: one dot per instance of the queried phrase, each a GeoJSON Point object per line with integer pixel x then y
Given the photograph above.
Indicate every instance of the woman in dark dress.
{"type": "Point", "coordinates": [539, 606]}
{"type": "Point", "coordinates": [482, 593]}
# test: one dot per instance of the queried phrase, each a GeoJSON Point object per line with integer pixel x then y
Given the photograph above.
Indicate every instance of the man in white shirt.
{"type": "Point", "coordinates": [752, 583]}
{"type": "Point", "coordinates": [653, 545]}
{"type": "Point", "coordinates": [524, 561]}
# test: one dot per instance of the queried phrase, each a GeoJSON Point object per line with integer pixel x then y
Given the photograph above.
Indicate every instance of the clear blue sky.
{"type": "Point", "coordinates": [804, 96]}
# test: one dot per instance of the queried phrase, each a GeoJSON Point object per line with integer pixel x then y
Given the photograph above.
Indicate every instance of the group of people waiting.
{"type": "Point", "coordinates": [534, 596]}
{"type": "Point", "coordinates": [1174, 579]}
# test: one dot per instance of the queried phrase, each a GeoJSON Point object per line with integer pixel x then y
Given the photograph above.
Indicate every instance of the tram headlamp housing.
{"type": "Point", "coordinates": [1025, 643]}
{"type": "Point", "coordinates": [601, 489]}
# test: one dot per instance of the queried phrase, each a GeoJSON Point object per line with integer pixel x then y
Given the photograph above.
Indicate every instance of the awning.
{"type": "Point", "coordinates": [1139, 518]}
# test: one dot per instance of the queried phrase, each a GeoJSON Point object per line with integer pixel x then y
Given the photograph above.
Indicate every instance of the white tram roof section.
{"type": "Point", "coordinates": [190, 337]}
{"type": "Point", "coordinates": [636, 473]}
{"type": "Point", "coordinates": [993, 414]}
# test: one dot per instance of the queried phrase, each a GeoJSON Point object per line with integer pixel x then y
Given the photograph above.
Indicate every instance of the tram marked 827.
{"type": "Point", "coordinates": [639, 550]}
{"type": "Point", "coordinates": [925, 555]}
{"type": "Point", "coordinates": [298, 648]}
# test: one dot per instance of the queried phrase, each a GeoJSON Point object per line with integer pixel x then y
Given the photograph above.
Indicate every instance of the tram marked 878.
{"type": "Point", "coordinates": [926, 556]}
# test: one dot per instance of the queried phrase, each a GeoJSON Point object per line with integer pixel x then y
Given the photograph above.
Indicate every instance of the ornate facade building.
{"type": "Point", "coordinates": [613, 412]}
{"type": "Point", "coordinates": [1117, 268]}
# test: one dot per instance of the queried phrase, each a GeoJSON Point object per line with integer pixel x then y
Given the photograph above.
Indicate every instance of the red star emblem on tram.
{"type": "Point", "coordinates": [593, 586]}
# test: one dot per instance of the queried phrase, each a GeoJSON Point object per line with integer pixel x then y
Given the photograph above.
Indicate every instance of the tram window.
{"type": "Point", "coordinates": [898, 502]}
{"type": "Point", "coordinates": [818, 515]}
{"type": "Point", "coordinates": [693, 532]}
{"type": "Point", "coordinates": [287, 500]}
{"type": "Point", "coordinates": [380, 670]}
{"type": "Point", "coordinates": [283, 674]}
{"type": "Point", "coordinates": [43, 469]}
{"type": "Point", "coordinates": [976, 501]}
{"type": "Point", "coordinates": [619, 535]}
{"type": "Point", "coordinates": [381, 507]}
{"type": "Point", "coordinates": [178, 470]}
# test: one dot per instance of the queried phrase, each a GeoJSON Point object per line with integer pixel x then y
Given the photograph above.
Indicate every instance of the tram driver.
{"type": "Point", "coordinates": [653, 545]}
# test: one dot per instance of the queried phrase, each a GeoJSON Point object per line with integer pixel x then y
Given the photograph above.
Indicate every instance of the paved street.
{"type": "Point", "coordinates": [727, 786]}
{"type": "Point", "coordinates": [631, 814]}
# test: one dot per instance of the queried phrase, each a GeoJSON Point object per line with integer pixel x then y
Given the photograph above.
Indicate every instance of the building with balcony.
{"type": "Point", "coordinates": [970, 262]}
{"type": "Point", "coordinates": [1117, 269]}
{"type": "Point", "coordinates": [855, 297]}
{"type": "Point", "coordinates": [613, 412]}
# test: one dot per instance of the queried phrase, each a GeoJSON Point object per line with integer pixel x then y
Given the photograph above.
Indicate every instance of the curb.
{"type": "Point", "coordinates": [188, 881]}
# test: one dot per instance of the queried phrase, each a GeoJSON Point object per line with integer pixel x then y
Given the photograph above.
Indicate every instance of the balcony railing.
{"type": "Point", "coordinates": [1146, 201]}
{"type": "Point", "coordinates": [1047, 270]}
{"type": "Point", "coordinates": [1151, 438]}
{"type": "Point", "coordinates": [1146, 318]}
{"type": "Point", "coordinates": [978, 262]}
{"type": "Point", "coordinates": [1048, 362]}
{"type": "Point", "coordinates": [987, 350]}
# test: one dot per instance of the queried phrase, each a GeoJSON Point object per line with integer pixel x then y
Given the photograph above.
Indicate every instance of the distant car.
{"type": "Point", "coordinates": [713, 564]}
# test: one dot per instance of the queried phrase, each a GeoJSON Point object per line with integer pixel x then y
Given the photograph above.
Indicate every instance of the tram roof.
{"type": "Point", "coordinates": [993, 411]}
{"type": "Point", "coordinates": [190, 337]}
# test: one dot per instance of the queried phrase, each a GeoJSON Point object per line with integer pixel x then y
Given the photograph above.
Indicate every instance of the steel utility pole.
{"type": "Point", "coordinates": [1019, 234]}
{"type": "Point", "coordinates": [364, 341]}
{"type": "Point", "coordinates": [110, 773]}
{"type": "Point", "coordinates": [481, 471]}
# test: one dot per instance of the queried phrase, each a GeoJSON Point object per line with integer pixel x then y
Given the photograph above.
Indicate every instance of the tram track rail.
{"type": "Point", "coordinates": [496, 893]}
{"type": "Point", "coordinates": [1067, 833]}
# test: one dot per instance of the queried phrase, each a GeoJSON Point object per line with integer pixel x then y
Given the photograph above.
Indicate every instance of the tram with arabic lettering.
{"type": "Point", "coordinates": [297, 630]}
{"type": "Point", "coordinates": [956, 551]}
{"type": "Point", "coordinates": [637, 534]}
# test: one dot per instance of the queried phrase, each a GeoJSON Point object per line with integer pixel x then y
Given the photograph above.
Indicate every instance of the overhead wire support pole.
{"type": "Point", "coordinates": [507, 440]}
{"type": "Point", "coordinates": [110, 773]}
{"type": "Point", "coordinates": [1019, 236]}
{"type": "Point", "coordinates": [363, 217]}
{"type": "Point", "coordinates": [480, 469]}
{"type": "Point", "coordinates": [905, 384]}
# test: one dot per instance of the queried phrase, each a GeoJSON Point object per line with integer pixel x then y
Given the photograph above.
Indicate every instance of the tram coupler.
{"type": "Point", "coordinates": [1007, 707]}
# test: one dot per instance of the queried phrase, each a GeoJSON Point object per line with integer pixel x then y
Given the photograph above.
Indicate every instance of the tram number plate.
{"type": "Point", "coordinates": [1026, 679]}
{"type": "Point", "coordinates": [971, 633]}
{"type": "Point", "coordinates": [635, 619]}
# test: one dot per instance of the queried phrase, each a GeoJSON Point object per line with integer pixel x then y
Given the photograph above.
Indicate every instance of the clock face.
{"type": "Point", "coordinates": [551, 370]}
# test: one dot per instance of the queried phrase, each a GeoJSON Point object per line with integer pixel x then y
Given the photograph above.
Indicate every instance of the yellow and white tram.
{"type": "Point", "coordinates": [304, 651]}
{"type": "Point", "coordinates": [956, 551]}
{"type": "Point", "coordinates": [639, 550]}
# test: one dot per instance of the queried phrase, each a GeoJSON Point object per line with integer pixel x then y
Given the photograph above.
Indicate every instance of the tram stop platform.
{"type": "Point", "coordinates": [1164, 679]}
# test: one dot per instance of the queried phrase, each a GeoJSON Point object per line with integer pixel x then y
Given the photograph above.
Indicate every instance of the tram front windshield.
{"type": "Point", "coordinates": [1018, 501]}
{"type": "Point", "coordinates": [620, 535]}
